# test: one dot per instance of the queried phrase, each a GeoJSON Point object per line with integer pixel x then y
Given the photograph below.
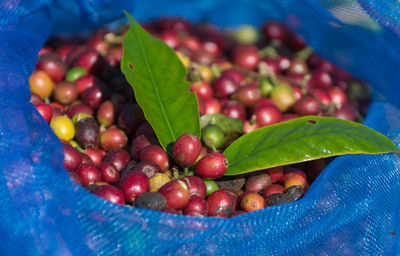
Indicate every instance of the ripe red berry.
{"type": "Point", "coordinates": [110, 193]}
{"type": "Point", "coordinates": [133, 184]}
{"type": "Point", "coordinates": [198, 205]}
{"type": "Point", "coordinates": [89, 174]}
{"type": "Point", "coordinates": [267, 114]}
{"type": "Point", "coordinates": [220, 204]}
{"type": "Point", "coordinates": [176, 193]}
{"type": "Point", "coordinates": [196, 186]}
{"type": "Point", "coordinates": [246, 56]}
{"type": "Point", "coordinates": [212, 166]}
{"type": "Point", "coordinates": [72, 157]}
{"type": "Point", "coordinates": [186, 149]}
{"type": "Point", "coordinates": [155, 154]}
{"type": "Point", "coordinates": [307, 105]}
{"type": "Point", "coordinates": [109, 172]}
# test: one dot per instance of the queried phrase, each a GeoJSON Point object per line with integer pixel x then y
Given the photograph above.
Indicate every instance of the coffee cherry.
{"type": "Point", "coordinates": [274, 31]}
{"type": "Point", "coordinates": [113, 138]}
{"type": "Point", "coordinates": [109, 172]}
{"type": "Point", "coordinates": [268, 66]}
{"type": "Point", "coordinates": [90, 60]}
{"type": "Point", "coordinates": [212, 166]}
{"type": "Point", "coordinates": [53, 65]}
{"type": "Point", "coordinates": [275, 173]}
{"type": "Point", "coordinates": [213, 136]}
{"type": "Point", "coordinates": [211, 106]}
{"type": "Point", "coordinates": [298, 67]}
{"type": "Point", "coordinates": [158, 180]}
{"type": "Point", "coordinates": [233, 74]}
{"type": "Point", "coordinates": [295, 192]}
{"type": "Point", "coordinates": [211, 186]}
{"type": "Point", "coordinates": [88, 173]}
{"type": "Point", "coordinates": [99, 44]}
{"type": "Point", "coordinates": [85, 159]}
{"type": "Point", "coordinates": [63, 127]}
{"type": "Point", "coordinates": [234, 109]}
{"type": "Point", "coordinates": [246, 56]}
{"type": "Point", "coordinates": [321, 79]}
{"type": "Point", "coordinates": [41, 84]}
{"type": "Point", "coordinates": [198, 205]}
{"type": "Point", "coordinates": [283, 96]}
{"type": "Point", "coordinates": [74, 73]}
{"type": "Point", "coordinates": [134, 184]}
{"type": "Point", "coordinates": [220, 204]}
{"type": "Point", "coordinates": [273, 189]}
{"type": "Point", "coordinates": [72, 158]}
{"type": "Point", "coordinates": [35, 99]}
{"type": "Point", "coordinates": [137, 145]}
{"type": "Point", "coordinates": [257, 183]}
{"type": "Point", "coordinates": [151, 200]}
{"type": "Point", "coordinates": [118, 157]}
{"type": "Point", "coordinates": [109, 193]}
{"type": "Point", "coordinates": [176, 193]}
{"type": "Point", "coordinates": [186, 149]}
{"type": "Point", "coordinates": [45, 111]}
{"type": "Point", "coordinates": [96, 155]}
{"type": "Point", "coordinates": [267, 114]}
{"type": "Point", "coordinates": [295, 180]}
{"type": "Point", "coordinates": [85, 82]}
{"type": "Point", "coordinates": [131, 117]}
{"type": "Point", "coordinates": [252, 202]}
{"type": "Point", "coordinates": [347, 112]}
{"type": "Point", "coordinates": [307, 105]}
{"type": "Point", "coordinates": [247, 95]}
{"type": "Point", "coordinates": [322, 96]}
{"type": "Point", "coordinates": [337, 96]}
{"type": "Point", "coordinates": [87, 131]}
{"type": "Point", "coordinates": [65, 93]}
{"type": "Point", "coordinates": [296, 42]}
{"type": "Point", "coordinates": [79, 108]}
{"type": "Point", "coordinates": [196, 186]}
{"type": "Point", "coordinates": [246, 34]}
{"type": "Point", "coordinates": [92, 96]}
{"type": "Point", "coordinates": [224, 86]}
{"type": "Point", "coordinates": [106, 113]}
{"type": "Point", "coordinates": [202, 89]}
{"type": "Point", "coordinates": [148, 168]}
{"type": "Point", "coordinates": [155, 154]}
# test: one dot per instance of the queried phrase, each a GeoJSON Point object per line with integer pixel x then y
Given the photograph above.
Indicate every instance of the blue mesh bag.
{"type": "Point", "coordinates": [353, 208]}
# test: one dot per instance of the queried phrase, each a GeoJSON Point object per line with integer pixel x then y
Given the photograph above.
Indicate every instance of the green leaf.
{"type": "Point", "coordinates": [232, 127]}
{"type": "Point", "coordinates": [158, 79]}
{"type": "Point", "coordinates": [303, 139]}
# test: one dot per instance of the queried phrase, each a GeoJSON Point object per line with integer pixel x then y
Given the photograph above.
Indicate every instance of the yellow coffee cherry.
{"type": "Point", "coordinates": [63, 127]}
{"type": "Point", "coordinates": [157, 181]}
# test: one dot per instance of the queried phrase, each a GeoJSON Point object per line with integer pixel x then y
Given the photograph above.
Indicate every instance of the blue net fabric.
{"type": "Point", "coordinates": [353, 208]}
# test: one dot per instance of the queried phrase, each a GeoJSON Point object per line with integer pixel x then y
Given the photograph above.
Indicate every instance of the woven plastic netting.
{"type": "Point", "coordinates": [353, 208]}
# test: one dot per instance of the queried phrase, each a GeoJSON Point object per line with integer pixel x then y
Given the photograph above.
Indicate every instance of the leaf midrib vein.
{"type": "Point", "coordinates": [170, 129]}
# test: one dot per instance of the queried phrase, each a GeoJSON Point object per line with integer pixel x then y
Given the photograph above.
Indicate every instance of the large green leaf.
{"type": "Point", "coordinates": [303, 139]}
{"type": "Point", "coordinates": [158, 79]}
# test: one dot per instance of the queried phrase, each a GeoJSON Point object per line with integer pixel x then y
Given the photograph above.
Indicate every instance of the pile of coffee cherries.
{"type": "Point", "coordinates": [260, 77]}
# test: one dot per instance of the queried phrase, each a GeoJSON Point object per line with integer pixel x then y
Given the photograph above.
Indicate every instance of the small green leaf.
{"type": "Point", "coordinates": [158, 79]}
{"type": "Point", "coordinates": [232, 127]}
{"type": "Point", "coordinates": [303, 139]}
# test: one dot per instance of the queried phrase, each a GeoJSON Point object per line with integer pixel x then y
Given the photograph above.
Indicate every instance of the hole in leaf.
{"type": "Point", "coordinates": [312, 121]}
{"type": "Point", "coordinates": [130, 66]}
